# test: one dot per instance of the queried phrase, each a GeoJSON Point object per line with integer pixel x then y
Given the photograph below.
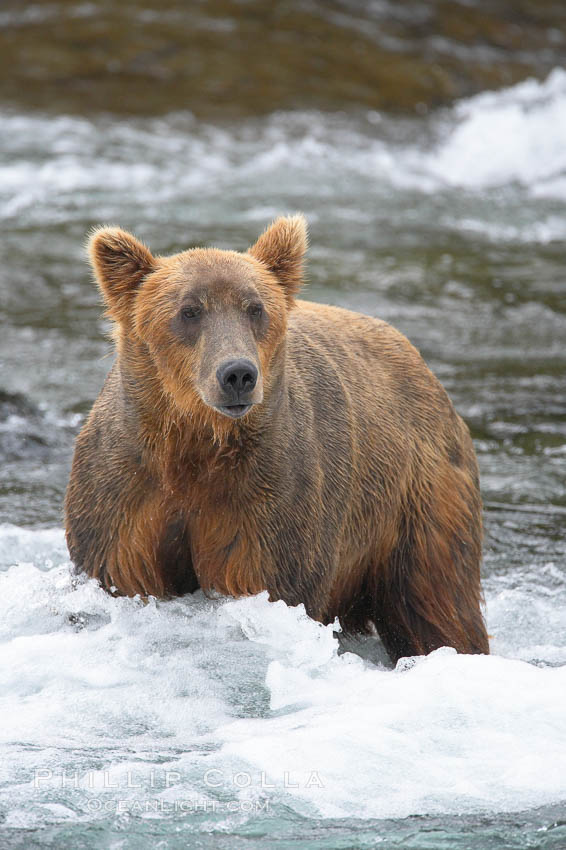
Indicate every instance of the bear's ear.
{"type": "Point", "coordinates": [120, 263]}
{"type": "Point", "coordinates": [282, 249]}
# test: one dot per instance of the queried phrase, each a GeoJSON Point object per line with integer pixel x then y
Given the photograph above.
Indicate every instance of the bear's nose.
{"type": "Point", "coordinates": [237, 377]}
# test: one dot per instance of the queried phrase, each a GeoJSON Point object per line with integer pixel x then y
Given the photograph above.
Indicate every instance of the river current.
{"type": "Point", "coordinates": [222, 723]}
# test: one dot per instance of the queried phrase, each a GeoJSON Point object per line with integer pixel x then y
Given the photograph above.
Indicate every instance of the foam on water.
{"type": "Point", "coordinates": [247, 700]}
{"type": "Point", "coordinates": [510, 138]}
{"type": "Point", "coordinates": [515, 135]}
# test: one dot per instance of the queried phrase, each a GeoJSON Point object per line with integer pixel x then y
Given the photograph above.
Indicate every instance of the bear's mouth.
{"type": "Point", "coordinates": [234, 411]}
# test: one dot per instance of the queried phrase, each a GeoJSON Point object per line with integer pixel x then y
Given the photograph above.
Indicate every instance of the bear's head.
{"type": "Point", "coordinates": [205, 325]}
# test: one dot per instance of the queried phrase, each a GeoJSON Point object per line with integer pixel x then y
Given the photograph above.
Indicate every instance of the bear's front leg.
{"type": "Point", "coordinates": [147, 555]}
{"type": "Point", "coordinates": [131, 541]}
{"type": "Point", "coordinates": [150, 554]}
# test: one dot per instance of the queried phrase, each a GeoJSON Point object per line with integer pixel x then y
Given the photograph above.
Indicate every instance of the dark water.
{"type": "Point", "coordinates": [449, 222]}
{"type": "Point", "coordinates": [247, 57]}
{"type": "Point", "coordinates": [540, 829]}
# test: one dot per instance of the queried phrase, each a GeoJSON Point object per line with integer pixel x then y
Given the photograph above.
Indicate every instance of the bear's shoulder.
{"type": "Point", "coordinates": [329, 326]}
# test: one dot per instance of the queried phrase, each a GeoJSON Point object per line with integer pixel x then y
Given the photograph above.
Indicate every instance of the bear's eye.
{"type": "Point", "coordinates": [190, 313]}
{"type": "Point", "coordinates": [255, 311]}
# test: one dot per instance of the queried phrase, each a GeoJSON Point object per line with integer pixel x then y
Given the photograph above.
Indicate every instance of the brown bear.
{"type": "Point", "coordinates": [247, 441]}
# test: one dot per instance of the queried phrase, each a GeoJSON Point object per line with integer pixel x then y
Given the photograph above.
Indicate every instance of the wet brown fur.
{"type": "Point", "coordinates": [351, 486]}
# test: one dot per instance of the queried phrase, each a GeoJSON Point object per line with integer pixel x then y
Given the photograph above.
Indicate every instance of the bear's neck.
{"type": "Point", "coordinates": [191, 451]}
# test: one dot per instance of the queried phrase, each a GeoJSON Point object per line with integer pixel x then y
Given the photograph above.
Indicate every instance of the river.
{"type": "Point", "coordinates": [200, 723]}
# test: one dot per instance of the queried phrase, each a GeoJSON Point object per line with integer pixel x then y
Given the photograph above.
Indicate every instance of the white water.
{"type": "Point", "coordinates": [256, 694]}
{"type": "Point", "coordinates": [517, 135]}
{"type": "Point", "coordinates": [514, 139]}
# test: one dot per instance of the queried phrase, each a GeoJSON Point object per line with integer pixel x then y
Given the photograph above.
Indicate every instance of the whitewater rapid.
{"type": "Point", "coordinates": [247, 701]}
